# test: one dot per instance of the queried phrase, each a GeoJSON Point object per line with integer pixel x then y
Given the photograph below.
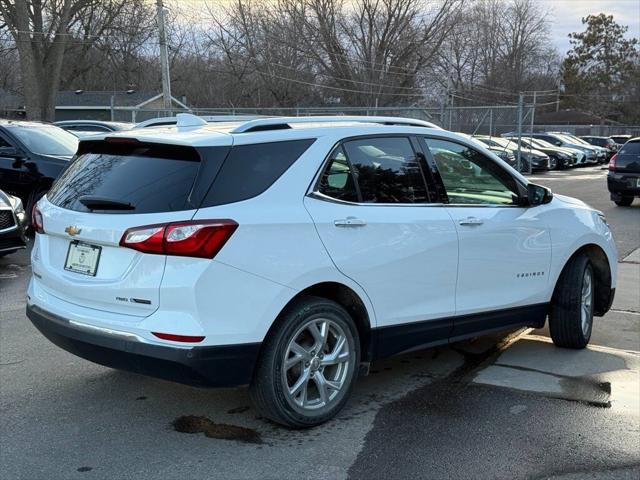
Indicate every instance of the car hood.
{"type": "Point", "coordinates": [570, 200]}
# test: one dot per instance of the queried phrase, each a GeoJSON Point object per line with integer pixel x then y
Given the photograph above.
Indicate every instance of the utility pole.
{"type": "Point", "coordinates": [520, 104]}
{"type": "Point", "coordinates": [164, 57]}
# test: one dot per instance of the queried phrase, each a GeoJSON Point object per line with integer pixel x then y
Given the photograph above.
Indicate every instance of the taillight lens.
{"type": "Point", "coordinates": [36, 220]}
{"type": "Point", "coordinates": [612, 162]}
{"type": "Point", "coordinates": [196, 238]}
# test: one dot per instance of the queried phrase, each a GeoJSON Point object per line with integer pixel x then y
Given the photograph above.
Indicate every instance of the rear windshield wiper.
{"type": "Point", "coordinates": [103, 203]}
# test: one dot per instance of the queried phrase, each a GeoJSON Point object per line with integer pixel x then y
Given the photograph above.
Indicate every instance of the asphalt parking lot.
{"type": "Point", "coordinates": [511, 406]}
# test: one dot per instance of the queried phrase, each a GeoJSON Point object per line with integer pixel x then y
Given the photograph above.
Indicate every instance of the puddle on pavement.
{"type": "Point", "coordinates": [197, 424]}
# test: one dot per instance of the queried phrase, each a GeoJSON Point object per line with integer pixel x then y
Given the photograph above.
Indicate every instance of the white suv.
{"type": "Point", "coordinates": [288, 253]}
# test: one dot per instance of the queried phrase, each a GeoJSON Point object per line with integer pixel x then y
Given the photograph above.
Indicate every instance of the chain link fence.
{"type": "Point", "coordinates": [492, 120]}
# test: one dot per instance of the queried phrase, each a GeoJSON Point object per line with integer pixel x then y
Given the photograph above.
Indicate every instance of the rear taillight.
{"type": "Point", "coordinates": [196, 238]}
{"type": "Point", "coordinates": [612, 162]}
{"type": "Point", "coordinates": [36, 220]}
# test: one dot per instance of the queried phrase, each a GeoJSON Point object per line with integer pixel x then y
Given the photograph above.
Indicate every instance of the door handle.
{"type": "Point", "coordinates": [471, 221]}
{"type": "Point", "coordinates": [349, 222]}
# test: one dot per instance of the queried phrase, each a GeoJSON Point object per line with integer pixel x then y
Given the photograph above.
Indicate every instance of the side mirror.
{"type": "Point", "coordinates": [538, 195]}
{"type": "Point", "coordinates": [9, 152]}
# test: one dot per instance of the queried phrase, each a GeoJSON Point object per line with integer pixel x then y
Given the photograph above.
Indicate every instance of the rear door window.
{"type": "Point", "coordinates": [151, 178]}
{"type": "Point", "coordinates": [387, 170]}
{"type": "Point", "coordinates": [338, 181]}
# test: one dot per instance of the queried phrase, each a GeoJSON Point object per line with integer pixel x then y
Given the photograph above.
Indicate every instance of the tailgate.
{"type": "Point", "coordinates": [125, 281]}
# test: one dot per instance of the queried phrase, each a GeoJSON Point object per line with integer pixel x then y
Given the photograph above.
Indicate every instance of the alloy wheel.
{"type": "Point", "coordinates": [316, 365]}
{"type": "Point", "coordinates": [586, 300]}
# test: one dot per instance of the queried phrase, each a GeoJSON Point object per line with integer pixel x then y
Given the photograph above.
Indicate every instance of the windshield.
{"type": "Point", "coordinates": [538, 142]}
{"type": "Point", "coordinates": [505, 143]}
{"type": "Point", "coordinates": [47, 140]}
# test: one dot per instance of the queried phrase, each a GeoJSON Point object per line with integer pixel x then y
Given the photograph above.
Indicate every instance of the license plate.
{"type": "Point", "coordinates": [82, 258]}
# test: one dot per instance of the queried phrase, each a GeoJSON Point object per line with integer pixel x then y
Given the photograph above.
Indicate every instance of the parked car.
{"type": "Point", "coordinates": [560, 157]}
{"type": "Point", "coordinates": [620, 139]}
{"type": "Point", "coordinates": [591, 155]}
{"type": "Point", "coordinates": [13, 220]}
{"type": "Point", "coordinates": [601, 152]}
{"type": "Point", "coordinates": [537, 159]}
{"type": "Point", "coordinates": [605, 142]}
{"type": "Point", "coordinates": [623, 179]}
{"type": "Point", "coordinates": [32, 155]}
{"type": "Point", "coordinates": [85, 128]}
{"type": "Point", "coordinates": [502, 153]}
{"type": "Point", "coordinates": [274, 253]}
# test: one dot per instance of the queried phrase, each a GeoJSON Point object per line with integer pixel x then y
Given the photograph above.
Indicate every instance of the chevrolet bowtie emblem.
{"type": "Point", "coordinates": [72, 230]}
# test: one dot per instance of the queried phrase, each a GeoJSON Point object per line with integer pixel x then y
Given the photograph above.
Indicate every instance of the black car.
{"type": "Point", "coordinates": [623, 179]}
{"type": "Point", "coordinates": [32, 155]}
{"type": "Point", "coordinates": [84, 128]}
{"type": "Point", "coordinates": [604, 142]}
{"type": "Point", "coordinates": [13, 221]}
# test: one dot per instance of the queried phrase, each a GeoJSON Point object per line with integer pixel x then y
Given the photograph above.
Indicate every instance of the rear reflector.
{"type": "Point", "coordinates": [178, 338]}
{"type": "Point", "coordinates": [195, 238]}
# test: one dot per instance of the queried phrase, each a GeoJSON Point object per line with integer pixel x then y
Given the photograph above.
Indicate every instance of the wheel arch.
{"type": "Point", "coordinates": [602, 270]}
{"type": "Point", "coordinates": [347, 298]}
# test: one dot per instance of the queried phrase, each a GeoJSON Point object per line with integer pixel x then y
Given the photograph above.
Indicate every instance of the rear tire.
{"type": "Point", "coordinates": [308, 365]}
{"type": "Point", "coordinates": [571, 316]}
{"type": "Point", "coordinates": [624, 201]}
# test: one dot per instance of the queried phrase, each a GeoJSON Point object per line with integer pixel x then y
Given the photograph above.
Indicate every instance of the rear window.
{"type": "Point", "coordinates": [151, 178]}
{"type": "Point", "coordinates": [630, 148]}
{"type": "Point", "coordinates": [249, 170]}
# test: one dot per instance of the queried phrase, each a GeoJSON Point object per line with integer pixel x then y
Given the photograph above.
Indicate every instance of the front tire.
{"type": "Point", "coordinates": [571, 316]}
{"type": "Point", "coordinates": [308, 364]}
{"type": "Point", "coordinates": [624, 201]}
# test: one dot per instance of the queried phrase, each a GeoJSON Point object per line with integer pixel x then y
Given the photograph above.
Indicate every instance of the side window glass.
{"type": "Point", "coordinates": [387, 170]}
{"type": "Point", "coordinates": [469, 177]}
{"type": "Point", "coordinates": [4, 143]}
{"type": "Point", "coordinates": [337, 180]}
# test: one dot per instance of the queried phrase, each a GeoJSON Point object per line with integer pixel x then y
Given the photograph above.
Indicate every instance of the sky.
{"type": "Point", "coordinates": [567, 14]}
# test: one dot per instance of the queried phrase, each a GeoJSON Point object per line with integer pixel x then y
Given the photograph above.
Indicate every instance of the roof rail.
{"type": "Point", "coordinates": [279, 123]}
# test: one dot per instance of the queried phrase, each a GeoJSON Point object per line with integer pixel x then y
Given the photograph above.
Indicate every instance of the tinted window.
{"type": "Point", "coordinates": [337, 180]}
{"type": "Point", "coordinates": [47, 140]}
{"type": "Point", "coordinates": [88, 128]}
{"type": "Point", "coordinates": [151, 178]}
{"type": "Point", "coordinates": [387, 170]}
{"type": "Point", "coordinates": [630, 148]}
{"type": "Point", "coordinates": [471, 178]}
{"type": "Point", "coordinates": [250, 169]}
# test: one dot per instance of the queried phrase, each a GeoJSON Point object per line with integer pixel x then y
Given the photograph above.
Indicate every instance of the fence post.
{"type": "Point", "coordinates": [520, 103]}
{"type": "Point", "coordinates": [533, 110]}
{"type": "Point", "coordinates": [491, 122]}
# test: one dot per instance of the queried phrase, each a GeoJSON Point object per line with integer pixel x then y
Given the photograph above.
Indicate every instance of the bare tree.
{"type": "Point", "coordinates": [42, 31]}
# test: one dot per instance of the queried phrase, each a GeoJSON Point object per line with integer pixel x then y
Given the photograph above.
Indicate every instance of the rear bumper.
{"type": "Point", "coordinates": [623, 184]}
{"type": "Point", "coordinates": [216, 366]}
